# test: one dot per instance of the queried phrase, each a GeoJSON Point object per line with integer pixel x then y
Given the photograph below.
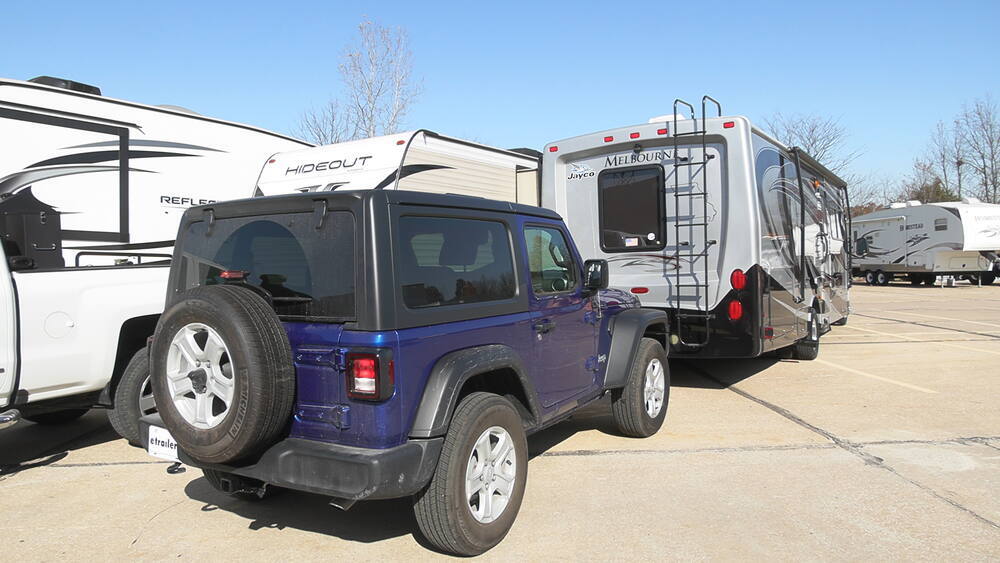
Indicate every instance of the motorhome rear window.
{"type": "Point", "coordinates": [307, 268]}
{"type": "Point", "coordinates": [631, 209]}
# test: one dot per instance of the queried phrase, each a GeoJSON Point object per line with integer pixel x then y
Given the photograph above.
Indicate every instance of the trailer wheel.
{"type": "Point", "coordinates": [222, 373]}
{"type": "Point", "coordinates": [988, 279]}
{"type": "Point", "coordinates": [870, 277]}
{"type": "Point", "coordinates": [808, 348]}
{"type": "Point", "coordinates": [882, 278]}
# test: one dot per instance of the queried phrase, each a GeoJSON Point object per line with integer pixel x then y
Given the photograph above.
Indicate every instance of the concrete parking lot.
{"type": "Point", "coordinates": [887, 446]}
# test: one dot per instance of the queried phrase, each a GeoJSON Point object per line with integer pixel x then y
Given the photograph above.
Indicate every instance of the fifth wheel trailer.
{"type": "Point", "coordinates": [91, 192]}
{"type": "Point", "coordinates": [923, 241]}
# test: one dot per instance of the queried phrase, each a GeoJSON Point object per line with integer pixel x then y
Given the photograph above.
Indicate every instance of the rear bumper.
{"type": "Point", "coordinates": [9, 418]}
{"type": "Point", "coordinates": [334, 470]}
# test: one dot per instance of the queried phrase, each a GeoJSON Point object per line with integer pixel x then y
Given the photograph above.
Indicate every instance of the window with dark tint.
{"type": "Point", "coordinates": [550, 261]}
{"type": "Point", "coordinates": [308, 272]}
{"type": "Point", "coordinates": [447, 261]}
{"type": "Point", "coordinates": [941, 224]}
{"type": "Point", "coordinates": [631, 209]}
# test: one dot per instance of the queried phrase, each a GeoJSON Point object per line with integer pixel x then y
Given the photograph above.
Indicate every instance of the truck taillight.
{"type": "Point", "coordinates": [738, 279]}
{"type": "Point", "coordinates": [369, 376]}
{"type": "Point", "coordinates": [735, 310]}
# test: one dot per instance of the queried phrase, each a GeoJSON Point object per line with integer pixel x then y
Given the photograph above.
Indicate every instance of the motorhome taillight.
{"type": "Point", "coordinates": [661, 131]}
{"type": "Point", "coordinates": [553, 148]}
{"type": "Point", "coordinates": [729, 124]}
{"type": "Point", "coordinates": [633, 135]}
{"type": "Point", "coordinates": [608, 139]}
{"type": "Point", "coordinates": [233, 274]}
{"type": "Point", "coordinates": [735, 310]}
{"type": "Point", "coordinates": [639, 290]}
{"type": "Point", "coordinates": [738, 279]}
{"type": "Point", "coordinates": [369, 376]}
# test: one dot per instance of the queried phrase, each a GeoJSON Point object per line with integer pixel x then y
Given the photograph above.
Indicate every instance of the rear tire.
{"type": "Point", "coordinates": [988, 279]}
{"type": "Point", "coordinates": [57, 417]}
{"type": "Point", "coordinates": [238, 401]}
{"type": "Point", "coordinates": [807, 349]}
{"type": "Point", "coordinates": [870, 277]}
{"type": "Point", "coordinates": [444, 510]}
{"type": "Point", "coordinates": [640, 407]}
{"type": "Point", "coordinates": [133, 398]}
{"type": "Point", "coordinates": [882, 278]}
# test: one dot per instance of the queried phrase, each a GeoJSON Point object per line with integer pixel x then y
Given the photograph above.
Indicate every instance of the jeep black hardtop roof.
{"type": "Point", "coordinates": [351, 198]}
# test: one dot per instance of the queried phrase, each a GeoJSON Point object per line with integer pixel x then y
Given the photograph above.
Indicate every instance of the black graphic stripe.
{"type": "Point", "coordinates": [102, 156]}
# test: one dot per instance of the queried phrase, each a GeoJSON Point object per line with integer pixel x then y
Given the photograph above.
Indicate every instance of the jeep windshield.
{"type": "Point", "coordinates": [305, 268]}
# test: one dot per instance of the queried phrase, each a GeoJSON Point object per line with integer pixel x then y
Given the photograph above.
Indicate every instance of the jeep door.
{"type": "Point", "coordinates": [564, 358]}
{"type": "Point", "coordinates": [8, 333]}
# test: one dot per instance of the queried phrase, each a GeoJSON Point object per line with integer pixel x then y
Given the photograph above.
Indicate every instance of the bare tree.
{"type": "Point", "coordinates": [980, 130]}
{"type": "Point", "coordinates": [941, 153]}
{"type": "Point", "coordinates": [377, 75]}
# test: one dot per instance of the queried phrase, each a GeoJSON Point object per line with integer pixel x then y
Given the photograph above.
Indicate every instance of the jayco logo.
{"type": "Point", "coordinates": [578, 171]}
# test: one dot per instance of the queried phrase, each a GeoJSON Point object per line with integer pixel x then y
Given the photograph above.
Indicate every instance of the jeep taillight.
{"type": "Point", "coordinates": [369, 376]}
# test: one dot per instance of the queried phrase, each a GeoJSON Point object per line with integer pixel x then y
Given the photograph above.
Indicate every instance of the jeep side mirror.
{"type": "Point", "coordinates": [595, 274]}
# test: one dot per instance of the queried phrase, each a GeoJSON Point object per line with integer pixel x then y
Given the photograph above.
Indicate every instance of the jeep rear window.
{"type": "Point", "coordinates": [448, 261]}
{"type": "Point", "coordinates": [307, 271]}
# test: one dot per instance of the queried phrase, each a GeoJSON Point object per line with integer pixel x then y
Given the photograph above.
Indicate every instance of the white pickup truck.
{"type": "Point", "coordinates": [91, 191]}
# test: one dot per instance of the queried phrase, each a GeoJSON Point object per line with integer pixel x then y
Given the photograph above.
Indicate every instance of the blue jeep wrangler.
{"type": "Point", "coordinates": [379, 344]}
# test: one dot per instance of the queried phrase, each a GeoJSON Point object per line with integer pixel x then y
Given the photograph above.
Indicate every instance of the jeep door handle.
{"type": "Point", "coordinates": [545, 326]}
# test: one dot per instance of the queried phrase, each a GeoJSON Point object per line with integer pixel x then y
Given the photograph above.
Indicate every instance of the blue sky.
{"type": "Point", "coordinates": [522, 74]}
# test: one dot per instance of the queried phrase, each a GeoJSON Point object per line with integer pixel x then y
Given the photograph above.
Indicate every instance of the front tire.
{"type": "Point", "coordinates": [477, 488]}
{"type": "Point", "coordinates": [640, 407]}
{"type": "Point", "coordinates": [133, 398]}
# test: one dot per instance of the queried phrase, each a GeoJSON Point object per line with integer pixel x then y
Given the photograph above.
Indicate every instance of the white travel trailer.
{"type": "Point", "coordinates": [414, 160]}
{"type": "Point", "coordinates": [929, 240]}
{"type": "Point", "coordinates": [91, 191]}
{"type": "Point", "coordinates": [703, 218]}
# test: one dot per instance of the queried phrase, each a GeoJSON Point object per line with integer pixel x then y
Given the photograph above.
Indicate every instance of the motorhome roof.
{"type": "Point", "coordinates": [190, 115]}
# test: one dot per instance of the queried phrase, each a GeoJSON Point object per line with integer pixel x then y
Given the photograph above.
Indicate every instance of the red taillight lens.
{"type": "Point", "coordinates": [368, 377]}
{"type": "Point", "coordinates": [735, 310]}
{"type": "Point", "coordinates": [633, 135]}
{"type": "Point", "coordinates": [661, 131]}
{"type": "Point", "coordinates": [608, 139]}
{"type": "Point", "coordinates": [639, 290]}
{"type": "Point", "coordinates": [729, 124]}
{"type": "Point", "coordinates": [738, 279]}
{"type": "Point", "coordinates": [401, 142]}
{"type": "Point", "coordinates": [233, 274]}
{"type": "Point", "coordinates": [553, 148]}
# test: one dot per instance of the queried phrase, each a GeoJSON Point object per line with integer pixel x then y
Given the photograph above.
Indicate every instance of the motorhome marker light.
{"type": "Point", "coordinates": [661, 131]}
{"type": "Point", "coordinates": [633, 135]}
{"type": "Point", "coordinates": [735, 310]}
{"type": "Point", "coordinates": [639, 290]}
{"type": "Point", "coordinates": [553, 148]}
{"type": "Point", "coordinates": [400, 142]}
{"type": "Point", "coordinates": [608, 139]}
{"type": "Point", "coordinates": [738, 279]}
{"type": "Point", "coordinates": [729, 124]}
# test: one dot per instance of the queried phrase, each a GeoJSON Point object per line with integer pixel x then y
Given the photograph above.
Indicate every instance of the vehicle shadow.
{"type": "Point", "coordinates": [717, 374]}
{"type": "Point", "coordinates": [27, 445]}
{"type": "Point", "coordinates": [366, 522]}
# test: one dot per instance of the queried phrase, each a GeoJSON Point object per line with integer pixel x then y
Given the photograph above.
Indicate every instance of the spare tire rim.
{"type": "Point", "coordinates": [200, 375]}
{"type": "Point", "coordinates": [654, 388]}
{"type": "Point", "coordinates": [490, 474]}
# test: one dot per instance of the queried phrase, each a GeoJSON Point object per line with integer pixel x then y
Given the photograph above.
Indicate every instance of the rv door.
{"type": "Point", "coordinates": [8, 334]}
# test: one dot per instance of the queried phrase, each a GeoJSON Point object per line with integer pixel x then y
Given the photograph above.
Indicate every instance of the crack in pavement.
{"type": "Point", "coordinates": [925, 325]}
{"type": "Point", "coordinates": [854, 448]}
{"type": "Point", "coordinates": [775, 448]}
{"type": "Point", "coordinates": [153, 517]}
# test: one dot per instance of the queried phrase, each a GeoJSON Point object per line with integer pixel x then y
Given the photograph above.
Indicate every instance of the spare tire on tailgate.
{"type": "Point", "coordinates": [222, 374]}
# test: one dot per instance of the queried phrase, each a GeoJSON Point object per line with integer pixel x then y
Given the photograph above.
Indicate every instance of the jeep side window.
{"type": "Point", "coordinates": [550, 261]}
{"type": "Point", "coordinates": [631, 209]}
{"type": "Point", "coordinates": [449, 261]}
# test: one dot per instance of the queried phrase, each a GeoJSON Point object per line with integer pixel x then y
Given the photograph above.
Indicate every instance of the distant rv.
{"type": "Point", "coordinates": [923, 241]}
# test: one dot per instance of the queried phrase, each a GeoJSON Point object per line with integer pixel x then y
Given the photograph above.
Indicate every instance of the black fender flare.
{"type": "Point", "coordinates": [627, 330]}
{"type": "Point", "coordinates": [451, 372]}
